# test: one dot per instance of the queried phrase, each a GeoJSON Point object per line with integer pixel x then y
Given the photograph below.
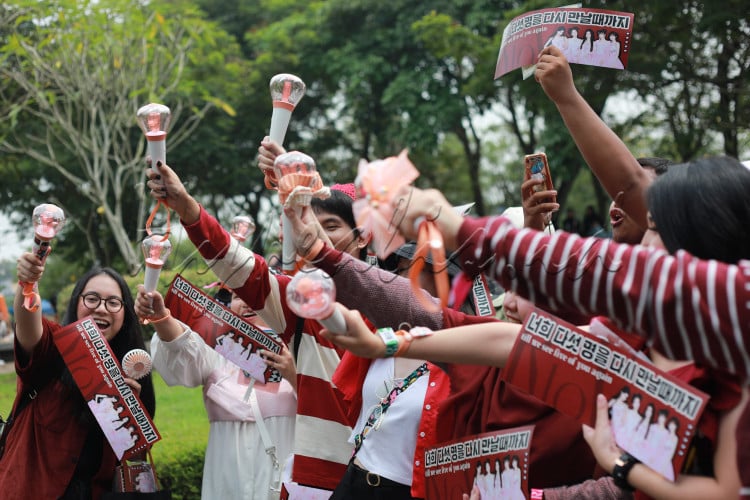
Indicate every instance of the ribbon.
{"type": "Point", "coordinates": [151, 220]}
{"type": "Point", "coordinates": [430, 242]}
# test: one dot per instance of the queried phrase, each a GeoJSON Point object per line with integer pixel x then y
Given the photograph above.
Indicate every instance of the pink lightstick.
{"type": "Point", "coordinates": [242, 227]}
{"type": "Point", "coordinates": [156, 249]}
{"type": "Point", "coordinates": [154, 120]}
{"type": "Point", "coordinates": [312, 294]}
{"type": "Point", "coordinates": [48, 220]}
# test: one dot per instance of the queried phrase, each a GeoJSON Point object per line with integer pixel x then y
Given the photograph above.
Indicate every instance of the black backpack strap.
{"type": "Point", "coordinates": [23, 402]}
{"type": "Point", "coordinates": [298, 336]}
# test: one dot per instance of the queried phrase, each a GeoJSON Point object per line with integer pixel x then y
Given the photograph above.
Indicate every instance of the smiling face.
{"type": "Point", "coordinates": [343, 236]}
{"type": "Point", "coordinates": [109, 323]}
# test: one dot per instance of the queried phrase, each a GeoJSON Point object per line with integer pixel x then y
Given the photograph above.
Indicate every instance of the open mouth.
{"type": "Point", "coordinates": [616, 217]}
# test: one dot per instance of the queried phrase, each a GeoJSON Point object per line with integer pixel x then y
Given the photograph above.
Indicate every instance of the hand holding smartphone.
{"type": "Point", "coordinates": [536, 167]}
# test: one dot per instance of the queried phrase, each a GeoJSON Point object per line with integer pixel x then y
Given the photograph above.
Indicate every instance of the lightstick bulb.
{"type": "Point", "coordinates": [242, 227]}
{"type": "Point", "coordinates": [156, 249]}
{"type": "Point", "coordinates": [154, 119]}
{"type": "Point", "coordinates": [286, 91]}
{"type": "Point", "coordinates": [312, 294]}
{"type": "Point", "coordinates": [48, 220]}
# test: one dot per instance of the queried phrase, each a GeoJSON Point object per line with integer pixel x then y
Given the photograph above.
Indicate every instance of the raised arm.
{"type": "Point", "coordinates": [605, 153]}
{"type": "Point", "coordinates": [28, 324]}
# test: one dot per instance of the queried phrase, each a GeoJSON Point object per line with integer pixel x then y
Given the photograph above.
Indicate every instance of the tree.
{"type": "Point", "coordinates": [72, 75]}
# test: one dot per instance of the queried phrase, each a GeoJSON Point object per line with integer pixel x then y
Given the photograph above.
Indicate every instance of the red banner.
{"type": "Point", "coordinates": [230, 335]}
{"type": "Point", "coordinates": [654, 415]}
{"type": "Point", "coordinates": [586, 36]}
{"type": "Point", "coordinates": [97, 373]}
{"type": "Point", "coordinates": [496, 462]}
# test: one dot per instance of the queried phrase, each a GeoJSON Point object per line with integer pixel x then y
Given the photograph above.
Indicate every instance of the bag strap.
{"type": "Point", "coordinates": [153, 468]}
{"type": "Point", "coordinates": [26, 398]}
{"type": "Point", "coordinates": [378, 412]}
{"type": "Point", "coordinates": [298, 335]}
{"type": "Point", "coordinates": [267, 443]}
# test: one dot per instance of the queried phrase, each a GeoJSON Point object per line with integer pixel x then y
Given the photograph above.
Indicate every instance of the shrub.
{"type": "Point", "coordinates": [183, 474]}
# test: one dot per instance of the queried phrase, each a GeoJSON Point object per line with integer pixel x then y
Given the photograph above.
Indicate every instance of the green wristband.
{"type": "Point", "coordinates": [388, 336]}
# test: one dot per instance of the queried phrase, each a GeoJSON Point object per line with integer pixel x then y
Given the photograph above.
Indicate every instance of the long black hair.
{"type": "Point", "coordinates": [129, 337]}
{"type": "Point", "coordinates": [703, 207]}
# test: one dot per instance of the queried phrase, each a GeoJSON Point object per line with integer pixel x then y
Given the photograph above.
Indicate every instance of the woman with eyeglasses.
{"type": "Point", "coordinates": [55, 448]}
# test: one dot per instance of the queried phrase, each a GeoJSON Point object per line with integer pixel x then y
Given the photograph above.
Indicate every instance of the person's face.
{"type": "Point", "coordinates": [636, 403]}
{"type": "Point", "coordinates": [661, 418]}
{"type": "Point", "coordinates": [487, 468]}
{"type": "Point", "coordinates": [651, 237]}
{"type": "Point", "coordinates": [624, 229]}
{"type": "Point", "coordinates": [340, 233]}
{"type": "Point", "coordinates": [612, 37]}
{"type": "Point", "coordinates": [573, 33]}
{"type": "Point", "coordinates": [587, 35]}
{"type": "Point", "coordinates": [672, 426]}
{"type": "Point", "coordinates": [109, 323]}
{"type": "Point", "coordinates": [240, 308]}
{"type": "Point", "coordinates": [649, 411]}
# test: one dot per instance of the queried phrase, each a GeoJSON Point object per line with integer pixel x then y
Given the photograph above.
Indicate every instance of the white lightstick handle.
{"type": "Point", "coordinates": [288, 253]}
{"type": "Point", "coordinates": [279, 123]}
{"type": "Point", "coordinates": [152, 278]}
{"type": "Point", "coordinates": [335, 323]}
{"type": "Point", "coordinates": [157, 150]}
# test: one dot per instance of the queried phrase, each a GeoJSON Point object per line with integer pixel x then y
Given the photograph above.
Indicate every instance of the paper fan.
{"type": "Point", "coordinates": [136, 364]}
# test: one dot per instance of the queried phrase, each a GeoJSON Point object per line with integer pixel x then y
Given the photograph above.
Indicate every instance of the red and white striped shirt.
{"type": "Point", "coordinates": [688, 307]}
{"type": "Point", "coordinates": [321, 448]}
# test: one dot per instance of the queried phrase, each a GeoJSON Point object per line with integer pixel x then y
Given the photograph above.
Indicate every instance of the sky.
{"type": "Point", "coordinates": [10, 245]}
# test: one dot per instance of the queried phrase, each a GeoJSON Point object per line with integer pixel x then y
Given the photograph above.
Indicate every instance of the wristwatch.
{"type": "Point", "coordinates": [623, 464]}
{"type": "Point", "coordinates": [389, 339]}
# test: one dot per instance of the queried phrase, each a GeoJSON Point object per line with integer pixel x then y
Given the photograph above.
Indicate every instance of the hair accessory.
{"type": "Point", "coordinates": [136, 363]}
{"type": "Point", "coordinates": [347, 189]}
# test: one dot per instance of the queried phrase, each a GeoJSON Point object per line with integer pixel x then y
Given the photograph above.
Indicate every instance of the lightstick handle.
{"type": "Point", "coordinates": [151, 278]}
{"type": "Point", "coordinates": [288, 252]}
{"type": "Point", "coordinates": [279, 123]}
{"type": "Point", "coordinates": [335, 323]}
{"type": "Point", "coordinates": [157, 150]}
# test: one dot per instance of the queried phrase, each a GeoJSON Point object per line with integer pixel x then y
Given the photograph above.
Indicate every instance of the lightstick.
{"type": "Point", "coordinates": [154, 119]}
{"type": "Point", "coordinates": [312, 294]}
{"type": "Point", "coordinates": [156, 249]}
{"type": "Point", "coordinates": [286, 92]}
{"type": "Point", "coordinates": [242, 227]}
{"type": "Point", "coordinates": [48, 220]}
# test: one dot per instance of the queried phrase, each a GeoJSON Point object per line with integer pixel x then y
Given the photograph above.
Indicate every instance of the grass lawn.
{"type": "Point", "coordinates": [180, 416]}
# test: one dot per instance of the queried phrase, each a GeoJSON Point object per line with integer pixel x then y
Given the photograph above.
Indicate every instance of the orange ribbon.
{"type": "Point", "coordinates": [430, 242]}
{"type": "Point", "coordinates": [151, 219]}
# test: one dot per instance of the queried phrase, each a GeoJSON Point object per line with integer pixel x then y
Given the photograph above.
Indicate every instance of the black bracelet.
{"type": "Point", "coordinates": [623, 464]}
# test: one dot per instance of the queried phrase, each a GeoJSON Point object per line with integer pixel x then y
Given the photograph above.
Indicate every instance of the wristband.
{"type": "Point", "coordinates": [414, 333]}
{"type": "Point", "coordinates": [389, 339]}
{"type": "Point", "coordinates": [623, 464]}
{"type": "Point", "coordinates": [163, 318]}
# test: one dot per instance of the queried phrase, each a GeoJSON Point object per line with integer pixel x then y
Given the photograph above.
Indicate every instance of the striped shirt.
{"type": "Point", "coordinates": [321, 450]}
{"type": "Point", "coordinates": [688, 308]}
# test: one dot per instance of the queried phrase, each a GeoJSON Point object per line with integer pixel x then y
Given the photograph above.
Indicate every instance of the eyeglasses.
{"type": "Point", "coordinates": [93, 300]}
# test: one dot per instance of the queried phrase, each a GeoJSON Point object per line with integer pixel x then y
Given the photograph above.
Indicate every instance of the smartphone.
{"type": "Point", "coordinates": [536, 167]}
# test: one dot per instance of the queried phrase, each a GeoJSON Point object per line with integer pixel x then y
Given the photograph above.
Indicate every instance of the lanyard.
{"type": "Point", "coordinates": [376, 416]}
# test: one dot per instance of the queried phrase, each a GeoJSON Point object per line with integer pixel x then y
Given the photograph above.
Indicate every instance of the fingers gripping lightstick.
{"type": "Point", "coordinates": [156, 249]}
{"type": "Point", "coordinates": [312, 294]}
{"type": "Point", "coordinates": [286, 92]}
{"type": "Point", "coordinates": [154, 120]}
{"type": "Point", "coordinates": [48, 220]}
{"type": "Point", "coordinates": [298, 182]}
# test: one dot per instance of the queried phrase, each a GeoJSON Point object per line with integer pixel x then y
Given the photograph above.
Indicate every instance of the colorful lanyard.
{"type": "Point", "coordinates": [376, 416]}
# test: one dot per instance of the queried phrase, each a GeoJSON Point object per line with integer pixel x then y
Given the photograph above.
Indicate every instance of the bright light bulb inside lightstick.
{"type": "Point", "coordinates": [286, 91]}
{"type": "Point", "coordinates": [154, 119]}
{"type": "Point", "coordinates": [290, 163]}
{"type": "Point", "coordinates": [156, 249]}
{"type": "Point", "coordinates": [312, 294]}
{"type": "Point", "coordinates": [242, 227]}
